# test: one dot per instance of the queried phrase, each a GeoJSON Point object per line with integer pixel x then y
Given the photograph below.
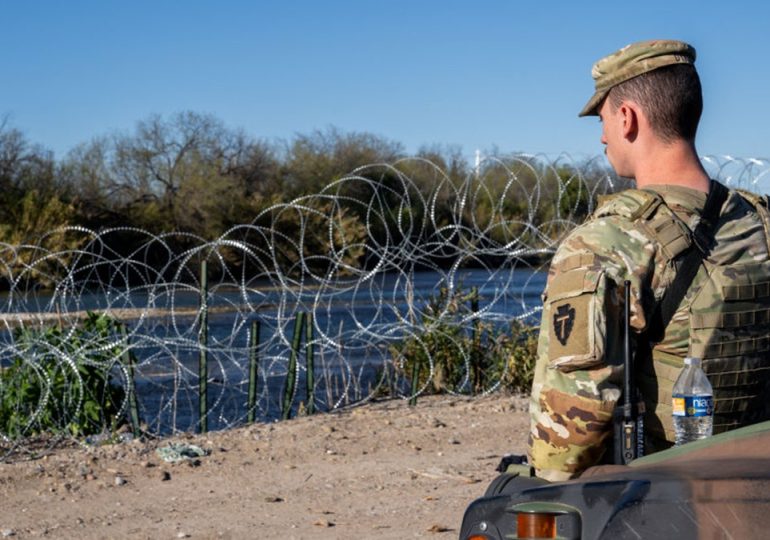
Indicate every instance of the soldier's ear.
{"type": "Point", "coordinates": [628, 114]}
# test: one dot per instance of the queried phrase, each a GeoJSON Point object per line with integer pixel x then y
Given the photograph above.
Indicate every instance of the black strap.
{"type": "Point", "coordinates": [690, 263]}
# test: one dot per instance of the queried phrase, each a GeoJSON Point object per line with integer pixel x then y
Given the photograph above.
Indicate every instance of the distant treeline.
{"type": "Point", "coordinates": [191, 173]}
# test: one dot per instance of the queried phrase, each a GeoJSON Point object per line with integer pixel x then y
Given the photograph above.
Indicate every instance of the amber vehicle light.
{"type": "Point", "coordinates": [536, 525]}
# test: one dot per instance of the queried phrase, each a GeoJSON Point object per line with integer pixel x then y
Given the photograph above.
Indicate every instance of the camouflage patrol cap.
{"type": "Point", "coordinates": [631, 61]}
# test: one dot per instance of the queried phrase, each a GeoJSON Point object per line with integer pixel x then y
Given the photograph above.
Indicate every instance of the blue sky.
{"type": "Point", "coordinates": [502, 75]}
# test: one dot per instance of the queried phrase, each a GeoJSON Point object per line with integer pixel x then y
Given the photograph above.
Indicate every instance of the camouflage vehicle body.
{"type": "Point", "coordinates": [714, 488]}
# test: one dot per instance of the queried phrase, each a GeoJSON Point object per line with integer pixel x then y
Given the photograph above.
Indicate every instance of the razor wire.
{"type": "Point", "coordinates": [366, 259]}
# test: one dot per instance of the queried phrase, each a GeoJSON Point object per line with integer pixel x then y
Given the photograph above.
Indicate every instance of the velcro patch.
{"type": "Point", "coordinates": [575, 319]}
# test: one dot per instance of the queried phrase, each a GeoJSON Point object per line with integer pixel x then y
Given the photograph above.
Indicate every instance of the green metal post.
{"type": "Point", "coordinates": [253, 369]}
{"type": "Point", "coordinates": [476, 367]}
{"type": "Point", "coordinates": [310, 391]}
{"type": "Point", "coordinates": [291, 374]}
{"type": "Point", "coordinates": [416, 365]}
{"type": "Point", "coordinates": [203, 337]}
{"type": "Point", "coordinates": [128, 361]}
{"type": "Point", "coordinates": [415, 381]}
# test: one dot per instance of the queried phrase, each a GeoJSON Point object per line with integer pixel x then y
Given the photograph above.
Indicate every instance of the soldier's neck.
{"type": "Point", "coordinates": [674, 164]}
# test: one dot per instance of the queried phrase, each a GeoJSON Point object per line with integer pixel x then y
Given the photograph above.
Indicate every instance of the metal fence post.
{"type": "Point", "coordinates": [253, 369]}
{"type": "Point", "coordinates": [291, 373]}
{"type": "Point", "coordinates": [203, 334]}
{"type": "Point", "coordinates": [310, 390]}
{"type": "Point", "coordinates": [477, 369]}
{"type": "Point", "coordinates": [128, 361]}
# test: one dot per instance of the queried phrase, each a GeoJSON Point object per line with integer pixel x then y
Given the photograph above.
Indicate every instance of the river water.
{"type": "Point", "coordinates": [355, 324]}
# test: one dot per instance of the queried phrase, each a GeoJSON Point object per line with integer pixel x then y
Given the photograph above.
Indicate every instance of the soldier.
{"type": "Point", "coordinates": [697, 258]}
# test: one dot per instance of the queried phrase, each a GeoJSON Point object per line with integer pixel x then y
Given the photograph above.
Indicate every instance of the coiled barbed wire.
{"type": "Point", "coordinates": [392, 245]}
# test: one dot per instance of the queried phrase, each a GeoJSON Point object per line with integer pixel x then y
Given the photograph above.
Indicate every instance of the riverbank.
{"type": "Point", "coordinates": [383, 470]}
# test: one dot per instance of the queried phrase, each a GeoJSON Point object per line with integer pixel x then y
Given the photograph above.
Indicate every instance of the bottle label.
{"type": "Point", "coordinates": [693, 405]}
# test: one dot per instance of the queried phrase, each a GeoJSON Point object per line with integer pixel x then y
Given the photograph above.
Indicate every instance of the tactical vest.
{"type": "Point", "coordinates": [724, 318]}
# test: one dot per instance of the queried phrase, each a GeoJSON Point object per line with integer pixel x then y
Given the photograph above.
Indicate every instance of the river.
{"type": "Point", "coordinates": [355, 323]}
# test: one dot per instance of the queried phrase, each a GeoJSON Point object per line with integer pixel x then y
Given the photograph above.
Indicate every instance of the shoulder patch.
{"type": "Point", "coordinates": [575, 321]}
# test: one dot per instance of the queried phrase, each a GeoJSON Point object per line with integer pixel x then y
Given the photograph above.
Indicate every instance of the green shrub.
{"type": "Point", "coordinates": [63, 381]}
{"type": "Point", "coordinates": [520, 357]}
{"type": "Point", "coordinates": [469, 357]}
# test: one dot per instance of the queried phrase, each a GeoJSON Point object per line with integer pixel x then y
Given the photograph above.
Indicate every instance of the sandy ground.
{"type": "Point", "coordinates": [383, 470]}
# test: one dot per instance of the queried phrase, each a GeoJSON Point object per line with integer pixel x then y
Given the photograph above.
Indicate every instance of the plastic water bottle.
{"type": "Point", "coordinates": [693, 403]}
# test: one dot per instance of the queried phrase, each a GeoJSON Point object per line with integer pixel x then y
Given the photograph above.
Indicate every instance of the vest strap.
{"type": "Point", "coordinates": [691, 262]}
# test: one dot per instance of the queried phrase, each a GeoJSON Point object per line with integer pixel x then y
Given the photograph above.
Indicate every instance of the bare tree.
{"type": "Point", "coordinates": [313, 161]}
{"type": "Point", "coordinates": [188, 172]}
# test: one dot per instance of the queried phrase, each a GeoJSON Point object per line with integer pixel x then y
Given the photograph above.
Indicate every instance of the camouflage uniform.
{"type": "Point", "coordinates": [724, 319]}
{"type": "Point", "coordinates": [641, 236]}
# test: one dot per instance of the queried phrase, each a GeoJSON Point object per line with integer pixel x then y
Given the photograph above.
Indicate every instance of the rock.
{"type": "Point", "coordinates": [273, 499]}
{"type": "Point", "coordinates": [119, 481]}
{"type": "Point", "coordinates": [165, 476]}
{"type": "Point", "coordinates": [323, 523]}
{"type": "Point", "coordinates": [8, 532]}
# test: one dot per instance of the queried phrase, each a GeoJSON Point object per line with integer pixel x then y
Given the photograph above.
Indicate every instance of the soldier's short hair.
{"type": "Point", "coordinates": [670, 96]}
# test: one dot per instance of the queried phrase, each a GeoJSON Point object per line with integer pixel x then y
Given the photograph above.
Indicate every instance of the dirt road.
{"type": "Point", "coordinates": [383, 470]}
